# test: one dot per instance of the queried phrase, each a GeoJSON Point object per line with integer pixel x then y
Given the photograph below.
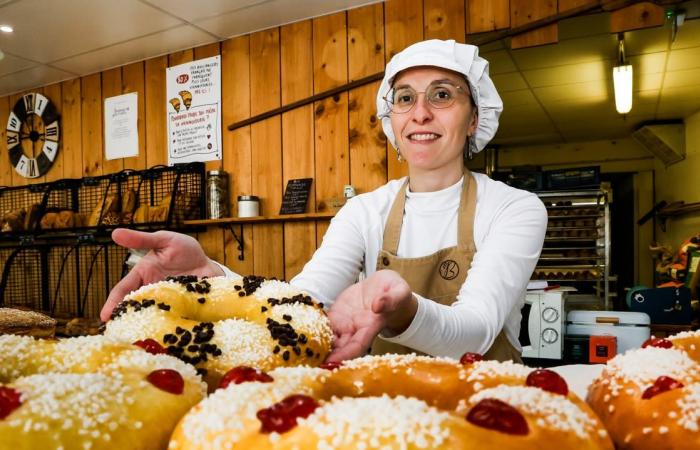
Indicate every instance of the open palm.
{"type": "Point", "coordinates": [170, 254]}
{"type": "Point", "coordinates": [361, 311]}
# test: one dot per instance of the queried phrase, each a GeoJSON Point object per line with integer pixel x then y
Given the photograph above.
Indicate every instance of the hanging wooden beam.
{"type": "Point", "coordinates": [635, 17]}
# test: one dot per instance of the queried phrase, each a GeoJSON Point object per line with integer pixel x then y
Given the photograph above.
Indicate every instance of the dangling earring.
{"type": "Point", "coordinates": [398, 154]}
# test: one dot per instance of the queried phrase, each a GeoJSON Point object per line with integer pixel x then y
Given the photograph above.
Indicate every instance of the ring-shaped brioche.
{"type": "Point", "coordinates": [389, 402]}
{"type": "Point", "coordinates": [219, 323]}
{"type": "Point", "coordinates": [688, 341]}
{"type": "Point", "coordinates": [649, 398]}
{"type": "Point", "coordinates": [87, 393]}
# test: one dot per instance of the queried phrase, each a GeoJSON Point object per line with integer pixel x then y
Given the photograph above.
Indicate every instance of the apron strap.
{"type": "Point", "coordinates": [392, 229]}
{"type": "Point", "coordinates": [467, 209]}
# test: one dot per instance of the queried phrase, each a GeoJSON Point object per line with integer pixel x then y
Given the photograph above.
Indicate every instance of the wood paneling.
{"type": "Point", "coordinates": [71, 150]}
{"type": "Point", "coordinates": [365, 41]}
{"type": "Point", "coordinates": [367, 143]}
{"type": "Point", "coordinates": [487, 15]}
{"type": "Point", "coordinates": [235, 85]}
{"type": "Point", "coordinates": [331, 114]}
{"type": "Point", "coordinates": [404, 25]}
{"type": "Point", "coordinates": [641, 15]}
{"type": "Point", "coordinates": [133, 81]}
{"type": "Point", "coordinates": [91, 124]}
{"type": "Point", "coordinates": [523, 12]}
{"type": "Point", "coordinates": [266, 158]}
{"type": "Point", "coordinates": [6, 168]}
{"type": "Point", "coordinates": [444, 19]}
{"type": "Point", "coordinates": [156, 131]}
{"type": "Point", "coordinates": [111, 86]}
{"type": "Point", "coordinates": [297, 137]}
{"type": "Point", "coordinates": [212, 238]}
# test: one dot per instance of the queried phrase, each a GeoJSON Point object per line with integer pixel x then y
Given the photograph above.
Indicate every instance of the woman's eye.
{"type": "Point", "coordinates": [442, 94]}
{"type": "Point", "coordinates": [404, 98]}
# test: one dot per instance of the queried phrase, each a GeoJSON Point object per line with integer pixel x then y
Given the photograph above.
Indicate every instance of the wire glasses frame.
{"type": "Point", "coordinates": [440, 96]}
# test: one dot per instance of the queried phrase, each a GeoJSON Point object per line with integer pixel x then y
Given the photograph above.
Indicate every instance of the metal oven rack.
{"type": "Point", "coordinates": [576, 248]}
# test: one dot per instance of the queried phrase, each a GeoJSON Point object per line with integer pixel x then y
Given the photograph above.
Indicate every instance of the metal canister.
{"type": "Point", "coordinates": [217, 194]}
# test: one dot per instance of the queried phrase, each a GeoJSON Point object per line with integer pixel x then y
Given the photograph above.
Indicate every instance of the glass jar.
{"type": "Point", "coordinates": [217, 194]}
{"type": "Point", "coordinates": [248, 206]}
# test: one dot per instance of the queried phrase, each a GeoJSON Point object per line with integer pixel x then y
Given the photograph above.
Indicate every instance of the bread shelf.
{"type": "Point", "coordinates": [584, 215]}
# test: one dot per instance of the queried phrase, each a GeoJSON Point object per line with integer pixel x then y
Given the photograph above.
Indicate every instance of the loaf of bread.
{"type": "Point", "coordinates": [129, 201]}
{"type": "Point", "coordinates": [109, 204]}
{"type": "Point", "coordinates": [27, 323]}
{"type": "Point", "coordinates": [48, 221]}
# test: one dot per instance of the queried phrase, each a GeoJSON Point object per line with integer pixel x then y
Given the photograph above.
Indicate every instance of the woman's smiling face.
{"type": "Point", "coordinates": [431, 138]}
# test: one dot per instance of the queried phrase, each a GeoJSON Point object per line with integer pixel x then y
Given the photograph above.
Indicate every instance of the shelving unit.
{"type": "Point", "coordinates": [576, 247]}
{"type": "Point", "coordinates": [229, 223]}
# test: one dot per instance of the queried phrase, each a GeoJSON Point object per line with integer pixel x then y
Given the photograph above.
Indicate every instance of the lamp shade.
{"type": "Point", "coordinates": [622, 82]}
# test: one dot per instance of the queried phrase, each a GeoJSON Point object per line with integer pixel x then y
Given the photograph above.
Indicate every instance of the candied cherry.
{"type": "Point", "coordinates": [470, 358]}
{"type": "Point", "coordinates": [9, 401]}
{"type": "Point", "coordinates": [661, 385]}
{"type": "Point", "coordinates": [282, 416]}
{"type": "Point", "coordinates": [547, 380]}
{"type": "Point", "coordinates": [151, 346]}
{"type": "Point", "coordinates": [242, 374]}
{"type": "Point", "coordinates": [167, 380]}
{"type": "Point", "coordinates": [331, 365]}
{"type": "Point", "coordinates": [499, 416]}
{"type": "Point", "coordinates": [657, 342]}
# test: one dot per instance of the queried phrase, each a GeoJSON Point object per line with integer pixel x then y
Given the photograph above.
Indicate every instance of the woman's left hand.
{"type": "Point", "coordinates": [383, 300]}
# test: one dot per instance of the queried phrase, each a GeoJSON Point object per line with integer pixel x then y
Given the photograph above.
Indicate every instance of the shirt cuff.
{"type": "Point", "coordinates": [228, 273]}
{"type": "Point", "coordinates": [405, 338]}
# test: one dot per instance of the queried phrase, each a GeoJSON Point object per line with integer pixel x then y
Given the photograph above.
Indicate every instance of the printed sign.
{"type": "Point", "coordinates": [121, 126]}
{"type": "Point", "coordinates": [194, 111]}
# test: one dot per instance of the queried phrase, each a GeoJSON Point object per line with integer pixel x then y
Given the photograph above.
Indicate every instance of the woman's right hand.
{"type": "Point", "coordinates": [169, 254]}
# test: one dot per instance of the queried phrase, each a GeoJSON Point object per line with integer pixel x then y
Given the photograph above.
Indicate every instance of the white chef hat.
{"type": "Point", "coordinates": [461, 58]}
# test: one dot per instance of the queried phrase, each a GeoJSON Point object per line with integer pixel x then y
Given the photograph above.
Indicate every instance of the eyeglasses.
{"type": "Point", "coordinates": [440, 96]}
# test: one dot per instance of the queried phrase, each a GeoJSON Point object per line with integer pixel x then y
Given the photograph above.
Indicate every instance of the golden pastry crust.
{"type": "Point", "coordinates": [389, 402]}
{"type": "Point", "coordinates": [688, 341]}
{"type": "Point", "coordinates": [26, 323]}
{"type": "Point", "coordinates": [219, 323]}
{"type": "Point", "coordinates": [665, 419]}
{"type": "Point", "coordinates": [90, 393]}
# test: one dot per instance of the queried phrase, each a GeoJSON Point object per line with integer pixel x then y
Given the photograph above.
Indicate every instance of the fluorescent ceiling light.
{"type": "Point", "coordinates": [6, 29]}
{"type": "Point", "coordinates": [622, 79]}
{"type": "Point", "coordinates": [622, 82]}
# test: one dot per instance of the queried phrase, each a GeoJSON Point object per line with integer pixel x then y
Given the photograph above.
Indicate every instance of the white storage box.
{"type": "Point", "coordinates": [630, 328]}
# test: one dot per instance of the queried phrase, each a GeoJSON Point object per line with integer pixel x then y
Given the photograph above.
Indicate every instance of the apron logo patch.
{"type": "Point", "coordinates": [449, 269]}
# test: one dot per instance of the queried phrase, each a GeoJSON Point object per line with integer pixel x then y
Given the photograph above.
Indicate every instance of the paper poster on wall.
{"type": "Point", "coordinates": [194, 111]}
{"type": "Point", "coordinates": [121, 126]}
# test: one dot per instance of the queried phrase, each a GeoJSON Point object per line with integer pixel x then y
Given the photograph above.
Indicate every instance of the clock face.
{"type": "Point", "coordinates": [32, 135]}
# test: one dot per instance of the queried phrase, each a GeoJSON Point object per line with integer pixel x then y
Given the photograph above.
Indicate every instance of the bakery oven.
{"type": "Point", "coordinates": [542, 326]}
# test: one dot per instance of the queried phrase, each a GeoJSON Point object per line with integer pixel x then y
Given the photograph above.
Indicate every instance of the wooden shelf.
{"type": "Point", "coordinates": [263, 219]}
{"type": "Point", "coordinates": [230, 222]}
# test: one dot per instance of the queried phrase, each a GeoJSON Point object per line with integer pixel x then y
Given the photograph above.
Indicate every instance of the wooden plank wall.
{"type": "Point", "coordinates": [336, 141]}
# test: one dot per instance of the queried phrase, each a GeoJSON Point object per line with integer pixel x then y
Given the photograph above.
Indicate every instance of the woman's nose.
{"type": "Point", "coordinates": [422, 110]}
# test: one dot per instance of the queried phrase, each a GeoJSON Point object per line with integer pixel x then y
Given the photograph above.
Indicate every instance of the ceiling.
{"type": "Point", "coordinates": [57, 40]}
{"type": "Point", "coordinates": [564, 92]}
{"type": "Point", "coordinates": [552, 93]}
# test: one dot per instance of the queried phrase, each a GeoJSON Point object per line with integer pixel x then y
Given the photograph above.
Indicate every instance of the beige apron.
{"type": "Point", "coordinates": [438, 276]}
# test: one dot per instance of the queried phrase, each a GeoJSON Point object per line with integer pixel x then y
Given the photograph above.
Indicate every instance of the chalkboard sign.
{"type": "Point", "coordinates": [296, 195]}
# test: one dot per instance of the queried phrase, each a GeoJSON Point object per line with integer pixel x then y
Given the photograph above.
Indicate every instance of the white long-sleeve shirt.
{"type": "Point", "coordinates": [509, 228]}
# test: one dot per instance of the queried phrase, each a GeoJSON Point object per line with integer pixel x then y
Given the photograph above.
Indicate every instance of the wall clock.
{"type": "Point", "coordinates": [32, 135]}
